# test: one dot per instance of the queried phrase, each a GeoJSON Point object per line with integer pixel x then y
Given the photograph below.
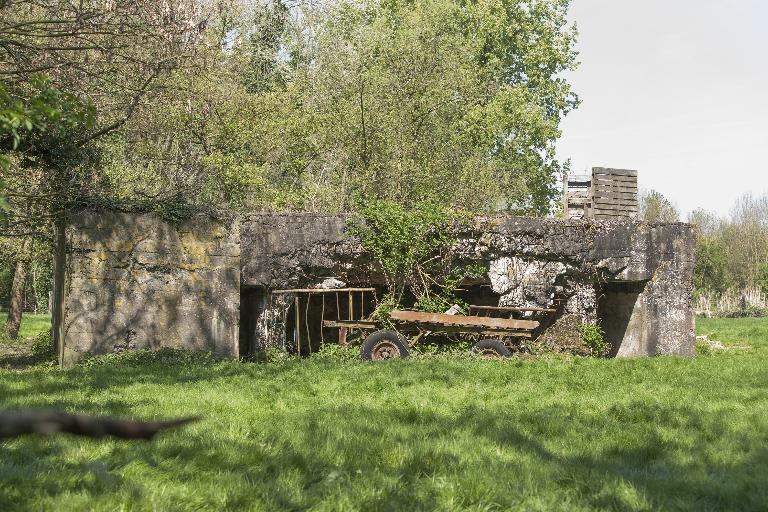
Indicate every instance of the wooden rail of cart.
{"type": "Point", "coordinates": [417, 321]}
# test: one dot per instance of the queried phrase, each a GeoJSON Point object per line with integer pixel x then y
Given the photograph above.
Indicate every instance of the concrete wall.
{"type": "Point", "coordinates": [136, 281]}
{"type": "Point", "coordinates": [531, 262]}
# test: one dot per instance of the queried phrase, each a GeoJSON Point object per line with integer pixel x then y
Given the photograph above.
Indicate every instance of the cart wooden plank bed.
{"type": "Point", "coordinates": [386, 344]}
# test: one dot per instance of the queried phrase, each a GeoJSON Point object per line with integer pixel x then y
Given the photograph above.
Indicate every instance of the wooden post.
{"type": "Point", "coordinates": [297, 327]}
{"type": "Point", "coordinates": [59, 278]}
{"type": "Point", "coordinates": [342, 330]}
{"type": "Point", "coordinates": [322, 319]}
{"type": "Point", "coordinates": [589, 208]}
{"type": "Point", "coordinates": [306, 323]}
{"type": "Point", "coordinates": [565, 195]}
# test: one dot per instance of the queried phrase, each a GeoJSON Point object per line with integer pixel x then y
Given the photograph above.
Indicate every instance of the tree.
{"type": "Point", "coordinates": [207, 137]}
{"type": "Point", "coordinates": [73, 72]}
{"type": "Point", "coordinates": [705, 223]}
{"type": "Point", "coordinates": [711, 271]}
{"type": "Point", "coordinates": [746, 235]}
{"type": "Point", "coordinates": [33, 129]}
{"type": "Point", "coordinates": [342, 103]}
{"type": "Point", "coordinates": [732, 252]}
{"type": "Point", "coordinates": [98, 60]}
{"type": "Point", "coordinates": [655, 208]}
{"type": "Point", "coordinates": [431, 100]}
{"type": "Point", "coordinates": [762, 278]}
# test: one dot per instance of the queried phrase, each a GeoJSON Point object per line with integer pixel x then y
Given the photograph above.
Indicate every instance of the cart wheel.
{"type": "Point", "coordinates": [384, 345]}
{"type": "Point", "coordinates": [491, 348]}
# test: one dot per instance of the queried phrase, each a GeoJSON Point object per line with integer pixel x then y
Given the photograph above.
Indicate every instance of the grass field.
{"type": "Point", "coordinates": [438, 434]}
{"type": "Point", "coordinates": [31, 324]}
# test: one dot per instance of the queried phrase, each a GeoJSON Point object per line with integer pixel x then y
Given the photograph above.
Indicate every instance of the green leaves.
{"type": "Point", "coordinates": [711, 271]}
{"type": "Point", "coordinates": [435, 100]}
{"type": "Point", "coordinates": [402, 238]}
{"type": "Point", "coordinates": [655, 208]}
{"type": "Point", "coordinates": [40, 124]}
{"type": "Point", "coordinates": [326, 108]}
{"type": "Point", "coordinates": [40, 117]}
{"type": "Point", "coordinates": [594, 338]}
{"type": "Point", "coordinates": [414, 250]}
{"type": "Point", "coordinates": [762, 278]}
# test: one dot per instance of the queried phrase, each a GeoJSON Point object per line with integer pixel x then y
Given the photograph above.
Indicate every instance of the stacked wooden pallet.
{"type": "Point", "coordinates": [609, 194]}
{"type": "Point", "coordinates": [614, 194]}
{"type": "Point", "coordinates": [577, 196]}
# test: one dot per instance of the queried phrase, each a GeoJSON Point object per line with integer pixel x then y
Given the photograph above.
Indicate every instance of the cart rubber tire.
{"type": "Point", "coordinates": [491, 348]}
{"type": "Point", "coordinates": [384, 345]}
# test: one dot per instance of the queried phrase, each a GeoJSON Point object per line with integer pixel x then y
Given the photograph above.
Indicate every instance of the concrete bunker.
{"type": "Point", "coordinates": [216, 282]}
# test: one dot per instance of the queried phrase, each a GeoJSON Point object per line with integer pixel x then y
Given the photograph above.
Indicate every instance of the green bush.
{"type": "Point", "coordinates": [277, 355]}
{"type": "Point", "coordinates": [593, 337]}
{"type": "Point", "coordinates": [336, 352]}
{"type": "Point", "coordinates": [414, 250]}
{"type": "Point", "coordinates": [762, 278]}
{"type": "Point", "coordinates": [151, 357]}
{"type": "Point", "coordinates": [42, 347]}
{"type": "Point", "coordinates": [702, 349]}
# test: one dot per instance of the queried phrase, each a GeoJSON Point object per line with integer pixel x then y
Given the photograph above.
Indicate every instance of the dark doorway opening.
{"type": "Point", "coordinates": [616, 307]}
{"type": "Point", "coordinates": [479, 295]}
{"type": "Point", "coordinates": [253, 301]}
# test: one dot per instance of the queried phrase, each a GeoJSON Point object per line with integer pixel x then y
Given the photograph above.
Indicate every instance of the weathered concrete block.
{"type": "Point", "coordinates": [135, 281]}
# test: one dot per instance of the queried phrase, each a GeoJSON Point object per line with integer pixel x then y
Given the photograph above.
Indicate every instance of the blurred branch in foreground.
{"type": "Point", "coordinates": [45, 422]}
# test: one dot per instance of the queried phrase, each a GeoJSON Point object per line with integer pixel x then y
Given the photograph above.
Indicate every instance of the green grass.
{"type": "Point", "coordinates": [31, 324]}
{"type": "Point", "coordinates": [548, 434]}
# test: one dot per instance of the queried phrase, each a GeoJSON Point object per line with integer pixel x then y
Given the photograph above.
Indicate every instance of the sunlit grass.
{"type": "Point", "coordinates": [31, 325]}
{"type": "Point", "coordinates": [550, 434]}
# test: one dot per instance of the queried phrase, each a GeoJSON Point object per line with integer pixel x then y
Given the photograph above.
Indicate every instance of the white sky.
{"type": "Point", "coordinates": [677, 89]}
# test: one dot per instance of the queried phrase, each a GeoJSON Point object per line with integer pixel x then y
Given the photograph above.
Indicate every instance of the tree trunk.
{"type": "Point", "coordinates": [17, 292]}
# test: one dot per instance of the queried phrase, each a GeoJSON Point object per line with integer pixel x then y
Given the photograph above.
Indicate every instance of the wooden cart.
{"type": "Point", "coordinates": [493, 336]}
{"type": "Point", "coordinates": [492, 328]}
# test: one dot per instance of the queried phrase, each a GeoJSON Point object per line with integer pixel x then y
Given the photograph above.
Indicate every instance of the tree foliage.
{"type": "Point", "coordinates": [414, 249]}
{"type": "Point", "coordinates": [434, 100]}
{"type": "Point", "coordinates": [655, 208]}
{"type": "Point", "coordinates": [77, 71]}
{"type": "Point", "coordinates": [732, 252]}
{"type": "Point", "coordinates": [336, 106]}
{"type": "Point", "coordinates": [328, 107]}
